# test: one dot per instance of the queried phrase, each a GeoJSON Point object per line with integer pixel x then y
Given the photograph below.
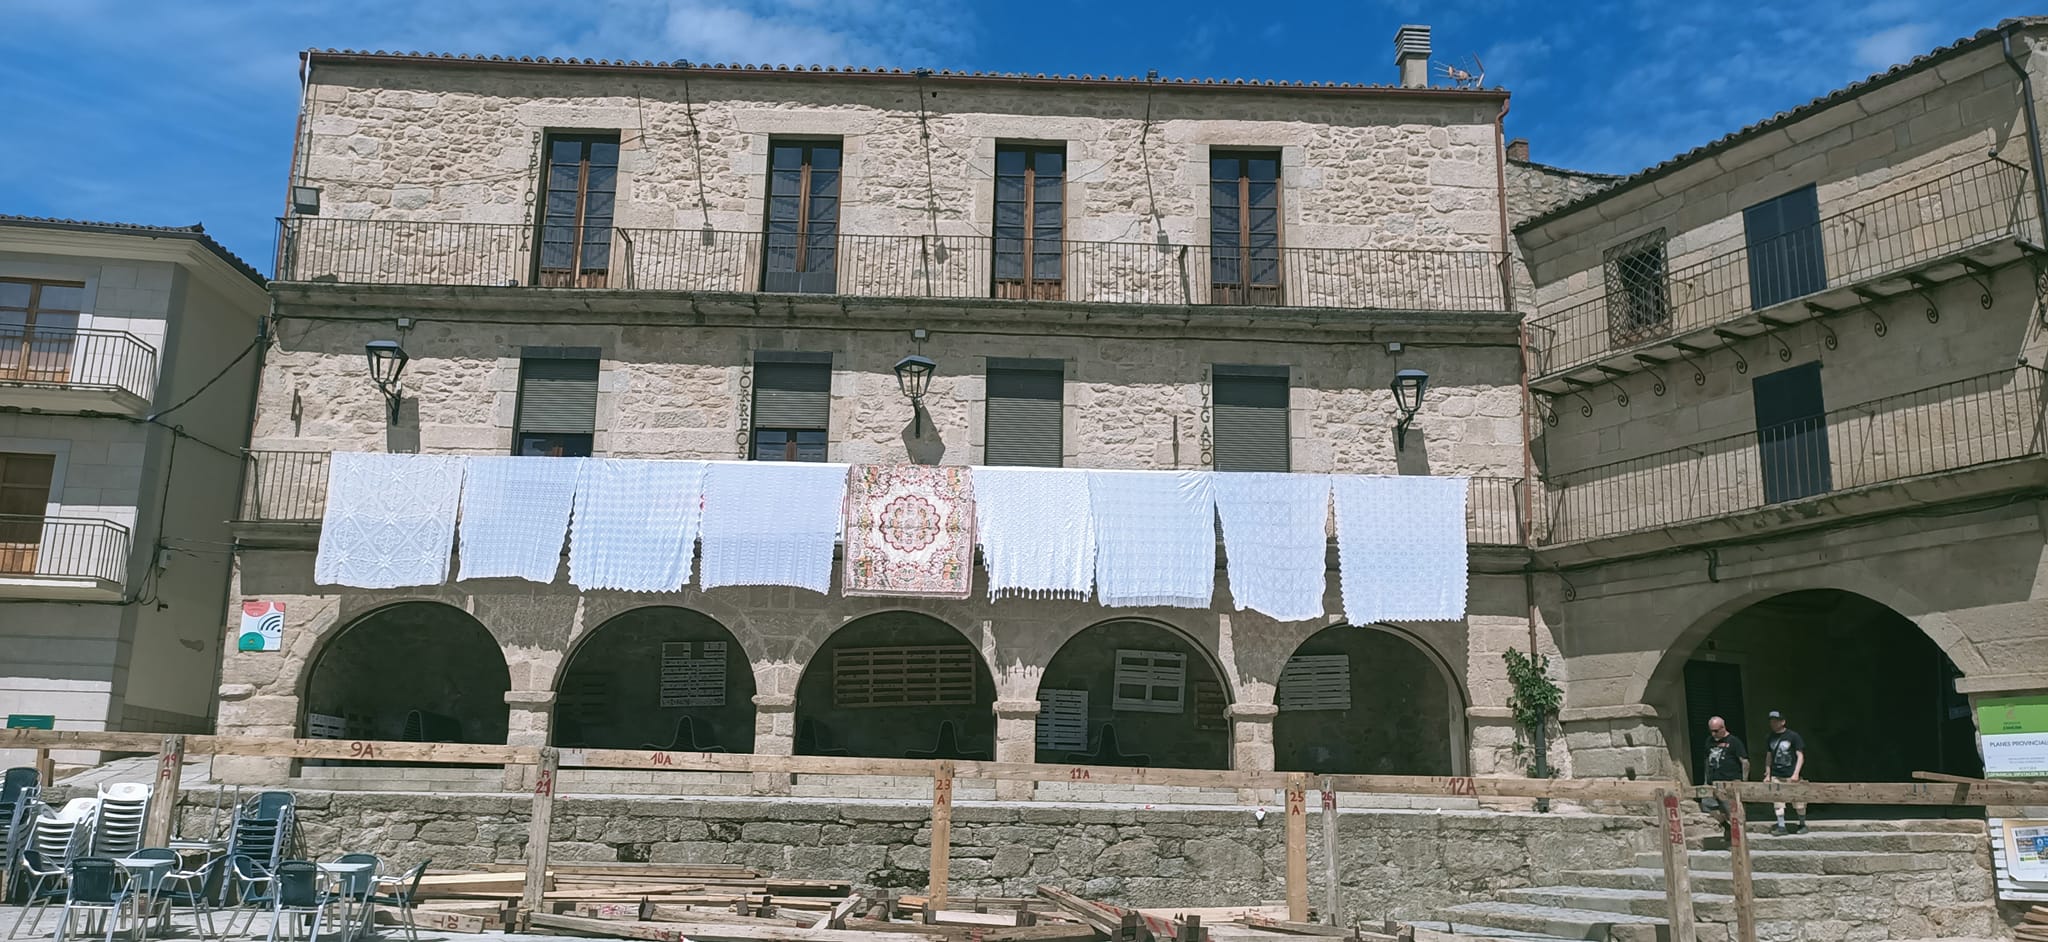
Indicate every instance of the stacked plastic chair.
{"type": "Point", "coordinates": [263, 829]}
{"type": "Point", "coordinates": [18, 803]}
{"type": "Point", "coordinates": [64, 834]}
{"type": "Point", "coordinates": [117, 831]}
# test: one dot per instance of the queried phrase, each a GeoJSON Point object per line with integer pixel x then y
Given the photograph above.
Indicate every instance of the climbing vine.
{"type": "Point", "coordinates": [1534, 701]}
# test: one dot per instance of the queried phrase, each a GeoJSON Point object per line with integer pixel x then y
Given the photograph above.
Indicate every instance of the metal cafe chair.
{"type": "Point", "coordinates": [295, 893]}
{"type": "Point", "coordinates": [94, 887]}
{"type": "Point", "coordinates": [45, 887]}
{"type": "Point", "coordinates": [404, 891]}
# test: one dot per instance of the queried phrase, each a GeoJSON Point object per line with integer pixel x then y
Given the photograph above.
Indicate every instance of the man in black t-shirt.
{"type": "Point", "coordinates": [1786, 760]}
{"type": "Point", "coordinates": [1727, 761]}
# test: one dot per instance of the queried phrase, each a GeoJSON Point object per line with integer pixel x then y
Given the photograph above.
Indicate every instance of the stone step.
{"type": "Point", "coordinates": [1916, 842]}
{"type": "Point", "coordinates": [1922, 825]}
{"type": "Point", "coordinates": [1439, 931]}
{"type": "Point", "coordinates": [1805, 861]}
{"type": "Point", "coordinates": [1706, 906]}
{"type": "Point", "coordinates": [1590, 925]}
{"type": "Point", "coordinates": [1768, 885]}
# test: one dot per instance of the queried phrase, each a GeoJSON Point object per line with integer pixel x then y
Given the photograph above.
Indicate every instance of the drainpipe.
{"type": "Point", "coordinates": [2033, 129]}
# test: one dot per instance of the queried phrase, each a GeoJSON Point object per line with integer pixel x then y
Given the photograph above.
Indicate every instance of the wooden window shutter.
{"type": "Point", "coordinates": [1315, 682]}
{"type": "Point", "coordinates": [908, 675]}
{"type": "Point", "coordinates": [1063, 720]}
{"type": "Point", "coordinates": [1249, 418]}
{"type": "Point", "coordinates": [558, 395]}
{"type": "Point", "coordinates": [1150, 681]}
{"type": "Point", "coordinates": [693, 674]}
{"type": "Point", "coordinates": [793, 393]}
{"type": "Point", "coordinates": [1025, 412]}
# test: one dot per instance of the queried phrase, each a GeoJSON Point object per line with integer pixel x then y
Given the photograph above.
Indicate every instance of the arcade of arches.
{"type": "Point", "coordinates": [418, 671]}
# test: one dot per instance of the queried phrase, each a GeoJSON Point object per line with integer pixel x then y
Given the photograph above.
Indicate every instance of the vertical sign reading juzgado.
{"type": "Point", "coordinates": [262, 627]}
{"type": "Point", "coordinates": [2014, 731]}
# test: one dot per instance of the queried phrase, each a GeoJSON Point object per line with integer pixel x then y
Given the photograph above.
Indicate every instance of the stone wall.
{"type": "Point", "coordinates": [1393, 863]}
{"type": "Point", "coordinates": [1535, 189]}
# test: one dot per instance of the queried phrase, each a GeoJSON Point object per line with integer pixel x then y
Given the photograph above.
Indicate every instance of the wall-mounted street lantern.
{"type": "Point", "coordinates": [914, 377]}
{"type": "Point", "coordinates": [306, 200]}
{"type": "Point", "coordinates": [1408, 386]}
{"type": "Point", "coordinates": [387, 364]}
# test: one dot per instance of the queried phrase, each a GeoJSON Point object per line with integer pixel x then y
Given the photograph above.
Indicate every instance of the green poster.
{"type": "Point", "coordinates": [2012, 715]}
{"type": "Point", "coordinates": [31, 721]}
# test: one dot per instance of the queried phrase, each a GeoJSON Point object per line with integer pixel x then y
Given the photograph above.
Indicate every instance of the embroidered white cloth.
{"type": "Point", "coordinates": [1155, 538]}
{"type": "Point", "coordinates": [771, 523]}
{"type": "Point", "coordinates": [636, 524]}
{"type": "Point", "coordinates": [1275, 538]}
{"type": "Point", "coordinates": [1401, 547]}
{"type": "Point", "coordinates": [515, 514]}
{"type": "Point", "coordinates": [390, 520]}
{"type": "Point", "coordinates": [1037, 532]}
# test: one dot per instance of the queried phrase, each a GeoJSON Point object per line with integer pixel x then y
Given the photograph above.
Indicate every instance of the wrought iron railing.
{"type": "Point", "coordinates": [291, 487]}
{"type": "Point", "coordinates": [1956, 212]}
{"type": "Point", "coordinates": [85, 359]}
{"type": "Point", "coordinates": [62, 547]}
{"type": "Point", "coordinates": [401, 252]}
{"type": "Point", "coordinates": [1957, 425]}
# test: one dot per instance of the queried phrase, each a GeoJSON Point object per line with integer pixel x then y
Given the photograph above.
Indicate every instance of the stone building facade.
{"type": "Point", "coordinates": [1321, 237]}
{"type": "Point", "coordinates": [113, 561]}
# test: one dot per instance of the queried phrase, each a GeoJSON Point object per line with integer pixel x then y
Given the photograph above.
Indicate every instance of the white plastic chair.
{"type": "Point", "coordinates": [65, 834]}
{"type": "Point", "coordinates": [123, 807]}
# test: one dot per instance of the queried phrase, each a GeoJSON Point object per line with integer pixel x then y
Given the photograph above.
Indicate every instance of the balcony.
{"type": "Point", "coordinates": [1967, 437]}
{"type": "Point", "coordinates": [401, 252]}
{"type": "Point", "coordinates": [1961, 225]}
{"type": "Point", "coordinates": [61, 558]}
{"type": "Point", "coordinates": [287, 495]}
{"type": "Point", "coordinates": [66, 370]}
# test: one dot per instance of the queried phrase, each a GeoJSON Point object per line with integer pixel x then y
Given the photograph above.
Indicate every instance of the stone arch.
{"type": "Point", "coordinates": [1400, 711]}
{"type": "Point", "coordinates": [896, 684]}
{"type": "Point", "coordinates": [1871, 691]}
{"type": "Point", "coordinates": [656, 677]}
{"type": "Point", "coordinates": [409, 670]}
{"type": "Point", "coordinates": [1155, 724]}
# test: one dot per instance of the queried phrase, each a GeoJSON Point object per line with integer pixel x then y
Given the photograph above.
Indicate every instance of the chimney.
{"type": "Point", "coordinates": [1518, 149]}
{"type": "Point", "coordinates": [1411, 53]}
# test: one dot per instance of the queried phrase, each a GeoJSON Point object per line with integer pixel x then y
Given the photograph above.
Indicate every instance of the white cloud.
{"type": "Point", "coordinates": [1889, 47]}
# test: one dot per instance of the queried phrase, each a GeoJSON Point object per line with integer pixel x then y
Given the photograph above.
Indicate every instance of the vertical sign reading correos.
{"type": "Point", "coordinates": [2014, 731]}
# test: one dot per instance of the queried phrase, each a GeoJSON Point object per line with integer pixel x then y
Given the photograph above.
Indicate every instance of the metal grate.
{"type": "Point", "coordinates": [1150, 681]}
{"type": "Point", "coordinates": [1638, 289]}
{"type": "Point", "coordinates": [911, 675]}
{"type": "Point", "coordinates": [1316, 682]}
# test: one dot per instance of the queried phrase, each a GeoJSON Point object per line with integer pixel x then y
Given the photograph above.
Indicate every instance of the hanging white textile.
{"type": "Point", "coordinates": [635, 528]}
{"type": "Point", "coordinates": [1401, 547]}
{"type": "Point", "coordinates": [390, 520]}
{"type": "Point", "coordinates": [1037, 532]}
{"type": "Point", "coordinates": [515, 515]}
{"type": "Point", "coordinates": [1276, 539]}
{"type": "Point", "coordinates": [1155, 538]}
{"type": "Point", "coordinates": [771, 523]}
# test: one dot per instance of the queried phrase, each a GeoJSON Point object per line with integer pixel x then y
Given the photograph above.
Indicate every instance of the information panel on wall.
{"type": "Point", "coordinates": [2014, 731]}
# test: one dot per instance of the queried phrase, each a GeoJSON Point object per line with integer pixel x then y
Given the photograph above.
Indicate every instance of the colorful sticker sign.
{"type": "Point", "coordinates": [2014, 731]}
{"type": "Point", "coordinates": [262, 627]}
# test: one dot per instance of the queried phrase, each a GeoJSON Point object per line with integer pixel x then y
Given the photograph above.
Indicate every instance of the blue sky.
{"type": "Point", "coordinates": [171, 112]}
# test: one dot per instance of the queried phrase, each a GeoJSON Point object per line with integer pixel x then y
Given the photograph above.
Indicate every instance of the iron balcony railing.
{"type": "Point", "coordinates": [1643, 304]}
{"type": "Point", "coordinates": [62, 548]}
{"type": "Point", "coordinates": [403, 252]}
{"type": "Point", "coordinates": [1957, 425]}
{"type": "Point", "coordinates": [81, 359]}
{"type": "Point", "coordinates": [291, 487]}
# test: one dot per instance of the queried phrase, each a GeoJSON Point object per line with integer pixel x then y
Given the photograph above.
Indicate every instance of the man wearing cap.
{"type": "Point", "coordinates": [1786, 756]}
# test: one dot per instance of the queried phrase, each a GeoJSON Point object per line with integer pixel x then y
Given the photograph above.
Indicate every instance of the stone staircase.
{"type": "Point", "coordinates": [1873, 880]}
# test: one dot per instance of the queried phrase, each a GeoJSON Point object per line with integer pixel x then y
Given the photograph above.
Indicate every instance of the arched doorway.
{"type": "Point", "coordinates": [657, 678]}
{"type": "Point", "coordinates": [1872, 696]}
{"type": "Point", "coordinates": [1367, 701]}
{"type": "Point", "coordinates": [897, 685]}
{"type": "Point", "coordinates": [414, 671]}
{"type": "Point", "coordinates": [1133, 692]}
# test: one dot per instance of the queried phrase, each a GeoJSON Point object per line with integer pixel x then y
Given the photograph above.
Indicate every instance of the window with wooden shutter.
{"type": "Point", "coordinates": [904, 675]}
{"type": "Point", "coordinates": [1783, 239]}
{"type": "Point", "coordinates": [1063, 720]}
{"type": "Point", "coordinates": [1792, 433]}
{"type": "Point", "coordinates": [1315, 682]}
{"type": "Point", "coordinates": [1249, 418]}
{"type": "Point", "coordinates": [557, 414]}
{"type": "Point", "coordinates": [1024, 414]}
{"type": "Point", "coordinates": [1029, 216]}
{"type": "Point", "coordinates": [792, 406]}
{"type": "Point", "coordinates": [1244, 227]}
{"type": "Point", "coordinates": [1151, 681]}
{"type": "Point", "coordinates": [24, 499]}
{"type": "Point", "coordinates": [693, 673]}
{"type": "Point", "coordinates": [38, 329]}
{"type": "Point", "coordinates": [802, 229]}
{"type": "Point", "coordinates": [580, 181]}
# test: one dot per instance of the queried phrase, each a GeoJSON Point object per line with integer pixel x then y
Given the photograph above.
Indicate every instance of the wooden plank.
{"type": "Point", "coordinates": [1094, 915]}
{"type": "Point", "coordinates": [1006, 919]}
{"type": "Point", "coordinates": [540, 822]}
{"type": "Point", "coordinates": [46, 767]}
{"type": "Point", "coordinates": [1739, 864]}
{"type": "Point", "coordinates": [1050, 932]}
{"type": "Point", "coordinates": [1331, 883]}
{"type": "Point", "coordinates": [470, 882]}
{"type": "Point", "coordinates": [1297, 847]}
{"type": "Point", "coordinates": [715, 932]}
{"type": "Point", "coordinates": [1898, 793]}
{"type": "Point", "coordinates": [435, 919]}
{"type": "Point", "coordinates": [1955, 779]}
{"type": "Point", "coordinates": [1293, 928]}
{"type": "Point", "coordinates": [163, 799]}
{"type": "Point", "coordinates": [380, 750]}
{"type": "Point", "coordinates": [664, 912]}
{"type": "Point", "coordinates": [1677, 872]}
{"type": "Point", "coordinates": [942, 834]}
{"type": "Point", "coordinates": [836, 919]}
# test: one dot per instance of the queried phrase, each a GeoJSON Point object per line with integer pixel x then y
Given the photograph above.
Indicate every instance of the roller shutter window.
{"type": "Point", "coordinates": [1025, 413]}
{"type": "Point", "coordinates": [1249, 418]}
{"type": "Point", "coordinates": [557, 407]}
{"type": "Point", "coordinates": [792, 406]}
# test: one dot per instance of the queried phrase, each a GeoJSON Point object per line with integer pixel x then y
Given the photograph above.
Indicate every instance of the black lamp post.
{"type": "Point", "coordinates": [1408, 386]}
{"type": "Point", "coordinates": [914, 377]}
{"type": "Point", "coordinates": [387, 363]}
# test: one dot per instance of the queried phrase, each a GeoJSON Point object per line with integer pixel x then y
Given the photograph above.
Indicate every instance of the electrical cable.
{"type": "Point", "coordinates": [696, 145]}
{"type": "Point", "coordinates": [203, 387]}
